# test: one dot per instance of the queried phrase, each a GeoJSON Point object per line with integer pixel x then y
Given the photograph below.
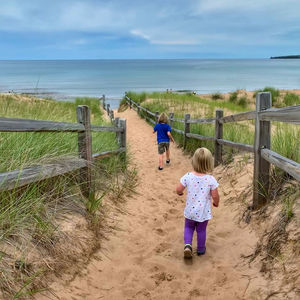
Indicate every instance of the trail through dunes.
{"type": "Point", "coordinates": [143, 257]}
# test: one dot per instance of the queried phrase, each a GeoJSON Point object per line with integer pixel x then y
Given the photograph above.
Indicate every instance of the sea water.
{"type": "Point", "coordinates": [68, 79]}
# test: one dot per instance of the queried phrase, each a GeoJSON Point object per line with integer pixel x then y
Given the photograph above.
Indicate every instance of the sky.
{"type": "Point", "coordinates": [151, 29]}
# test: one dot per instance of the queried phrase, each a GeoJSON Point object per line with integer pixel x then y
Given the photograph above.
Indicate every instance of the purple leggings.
{"type": "Point", "coordinates": [189, 229]}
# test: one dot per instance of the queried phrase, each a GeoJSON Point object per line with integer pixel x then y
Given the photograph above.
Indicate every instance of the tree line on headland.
{"type": "Point", "coordinates": [285, 57]}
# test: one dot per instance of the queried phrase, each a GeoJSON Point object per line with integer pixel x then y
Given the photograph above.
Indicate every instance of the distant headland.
{"type": "Point", "coordinates": [286, 57]}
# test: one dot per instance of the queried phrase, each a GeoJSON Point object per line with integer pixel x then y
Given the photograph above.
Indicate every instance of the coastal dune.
{"type": "Point", "coordinates": [143, 257]}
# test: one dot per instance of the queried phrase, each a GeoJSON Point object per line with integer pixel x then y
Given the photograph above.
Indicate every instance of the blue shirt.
{"type": "Point", "coordinates": [162, 130]}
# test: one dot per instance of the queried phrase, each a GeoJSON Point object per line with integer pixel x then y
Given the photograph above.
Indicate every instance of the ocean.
{"type": "Point", "coordinates": [67, 79]}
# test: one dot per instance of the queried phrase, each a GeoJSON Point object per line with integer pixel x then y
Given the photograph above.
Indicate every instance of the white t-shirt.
{"type": "Point", "coordinates": [198, 200]}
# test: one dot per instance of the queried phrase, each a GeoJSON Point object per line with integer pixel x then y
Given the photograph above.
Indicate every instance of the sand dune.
{"type": "Point", "coordinates": [143, 258]}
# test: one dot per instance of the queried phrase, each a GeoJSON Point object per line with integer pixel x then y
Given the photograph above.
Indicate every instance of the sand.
{"type": "Point", "coordinates": [143, 257]}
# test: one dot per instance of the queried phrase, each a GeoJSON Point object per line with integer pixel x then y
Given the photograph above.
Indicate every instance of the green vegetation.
{"type": "Point", "coordinates": [29, 148]}
{"type": "Point", "coordinates": [242, 101]}
{"type": "Point", "coordinates": [216, 96]}
{"type": "Point", "coordinates": [280, 100]}
{"type": "Point", "coordinates": [275, 93]}
{"type": "Point", "coordinates": [181, 102]}
{"type": "Point", "coordinates": [285, 140]}
{"type": "Point", "coordinates": [233, 97]}
{"type": "Point", "coordinates": [31, 237]}
{"type": "Point", "coordinates": [291, 99]}
{"type": "Point", "coordinates": [198, 107]}
{"type": "Point", "coordinates": [284, 136]}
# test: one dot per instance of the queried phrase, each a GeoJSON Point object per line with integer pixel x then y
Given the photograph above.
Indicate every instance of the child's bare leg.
{"type": "Point", "coordinates": [161, 158]}
{"type": "Point", "coordinates": [168, 154]}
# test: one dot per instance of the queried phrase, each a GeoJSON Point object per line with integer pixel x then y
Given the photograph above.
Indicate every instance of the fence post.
{"type": "Point", "coordinates": [118, 134]}
{"type": "Point", "coordinates": [112, 115]}
{"type": "Point", "coordinates": [218, 135]}
{"type": "Point", "coordinates": [156, 116]}
{"type": "Point", "coordinates": [122, 123]}
{"type": "Point", "coordinates": [103, 101]}
{"type": "Point", "coordinates": [262, 140]}
{"type": "Point", "coordinates": [138, 109]}
{"type": "Point", "coordinates": [130, 103]}
{"type": "Point", "coordinates": [108, 109]}
{"type": "Point", "coordinates": [186, 128]}
{"type": "Point", "coordinates": [85, 150]}
{"type": "Point", "coordinates": [171, 122]}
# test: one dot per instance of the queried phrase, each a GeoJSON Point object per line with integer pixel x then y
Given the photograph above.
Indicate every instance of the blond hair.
{"type": "Point", "coordinates": [163, 118]}
{"type": "Point", "coordinates": [203, 161]}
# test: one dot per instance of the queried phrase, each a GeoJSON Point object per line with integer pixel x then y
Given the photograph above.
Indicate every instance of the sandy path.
{"type": "Point", "coordinates": [144, 259]}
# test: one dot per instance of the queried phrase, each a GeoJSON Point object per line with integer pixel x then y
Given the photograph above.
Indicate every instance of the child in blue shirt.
{"type": "Point", "coordinates": [164, 136]}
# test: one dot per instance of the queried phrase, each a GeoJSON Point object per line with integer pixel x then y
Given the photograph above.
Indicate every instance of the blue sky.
{"type": "Point", "coordinates": [123, 29]}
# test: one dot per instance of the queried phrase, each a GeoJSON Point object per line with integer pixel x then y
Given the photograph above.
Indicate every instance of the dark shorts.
{"type": "Point", "coordinates": [163, 147]}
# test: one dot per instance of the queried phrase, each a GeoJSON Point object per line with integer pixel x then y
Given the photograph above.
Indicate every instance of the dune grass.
{"type": "Point", "coordinates": [275, 93]}
{"type": "Point", "coordinates": [284, 136]}
{"type": "Point", "coordinates": [291, 99]}
{"type": "Point", "coordinates": [198, 107]}
{"type": "Point", "coordinates": [22, 149]}
{"type": "Point", "coordinates": [30, 216]}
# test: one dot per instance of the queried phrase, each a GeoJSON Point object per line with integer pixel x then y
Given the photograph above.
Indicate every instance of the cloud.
{"type": "Point", "coordinates": [80, 42]}
{"type": "Point", "coordinates": [139, 33]}
{"type": "Point", "coordinates": [175, 42]}
{"type": "Point", "coordinates": [168, 24]}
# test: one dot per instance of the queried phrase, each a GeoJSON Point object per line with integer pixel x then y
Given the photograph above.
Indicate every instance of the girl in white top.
{"type": "Point", "coordinates": [201, 187]}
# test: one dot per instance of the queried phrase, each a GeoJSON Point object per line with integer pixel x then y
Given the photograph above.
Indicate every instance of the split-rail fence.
{"type": "Point", "coordinates": [263, 155]}
{"type": "Point", "coordinates": [84, 128]}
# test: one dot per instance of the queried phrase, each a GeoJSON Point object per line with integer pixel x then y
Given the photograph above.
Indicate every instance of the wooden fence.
{"type": "Point", "coordinates": [263, 156]}
{"type": "Point", "coordinates": [106, 107]}
{"type": "Point", "coordinates": [19, 178]}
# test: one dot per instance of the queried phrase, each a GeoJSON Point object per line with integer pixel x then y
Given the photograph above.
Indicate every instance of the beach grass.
{"type": "Point", "coordinates": [30, 216]}
{"type": "Point", "coordinates": [291, 99]}
{"type": "Point", "coordinates": [23, 149]}
{"type": "Point", "coordinates": [274, 92]}
{"type": "Point", "coordinates": [283, 139]}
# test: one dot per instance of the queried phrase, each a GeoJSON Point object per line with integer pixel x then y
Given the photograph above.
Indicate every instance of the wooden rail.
{"type": "Point", "coordinates": [290, 114]}
{"type": "Point", "coordinates": [24, 125]}
{"type": "Point", "coordinates": [263, 156]}
{"type": "Point", "coordinates": [19, 178]}
{"type": "Point", "coordinates": [289, 166]}
{"type": "Point", "coordinates": [62, 166]}
{"type": "Point", "coordinates": [250, 115]}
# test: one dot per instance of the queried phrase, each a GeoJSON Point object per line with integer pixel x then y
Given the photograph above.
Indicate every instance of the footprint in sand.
{"type": "Point", "coordinates": [173, 211]}
{"type": "Point", "coordinates": [163, 247]}
{"type": "Point", "coordinates": [221, 279]}
{"type": "Point", "coordinates": [165, 216]}
{"type": "Point", "coordinates": [162, 276]}
{"type": "Point", "coordinates": [143, 294]}
{"type": "Point", "coordinates": [222, 234]}
{"type": "Point", "coordinates": [195, 293]}
{"type": "Point", "coordinates": [157, 268]}
{"type": "Point", "coordinates": [160, 232]}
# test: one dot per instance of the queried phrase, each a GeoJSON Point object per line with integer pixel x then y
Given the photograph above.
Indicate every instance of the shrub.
{"type": "Point", "coordinates": [291, 99]}
{"type": "Point", "coordinates": [275, 93]}
{"type": "Point", "coordinates": [216, 96]}
{"type": "Point", "coordinates": [137, 97]}
{"type": "Point", "coordinates": [243, 101]}
{"type": "Point", "coordinates": [233, 97]}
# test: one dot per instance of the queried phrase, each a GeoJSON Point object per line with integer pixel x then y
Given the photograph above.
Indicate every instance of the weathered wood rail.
{"type": "Point", "coordinates": [263, 156]}
{"type": "Point", "coordinates": [19, 178]}
{"type": "Point", "coordinates": [107, 108]}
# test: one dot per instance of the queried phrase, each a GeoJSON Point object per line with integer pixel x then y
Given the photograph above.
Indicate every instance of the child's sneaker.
{"type": "Point", "coordinates": [202, 252]}
{"type": "Point", "coordinates": [168, 161]}
{"type": "Point", "coordinates": [188, 251]}
{"type": "Point", "coordinates": [160, 168]}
